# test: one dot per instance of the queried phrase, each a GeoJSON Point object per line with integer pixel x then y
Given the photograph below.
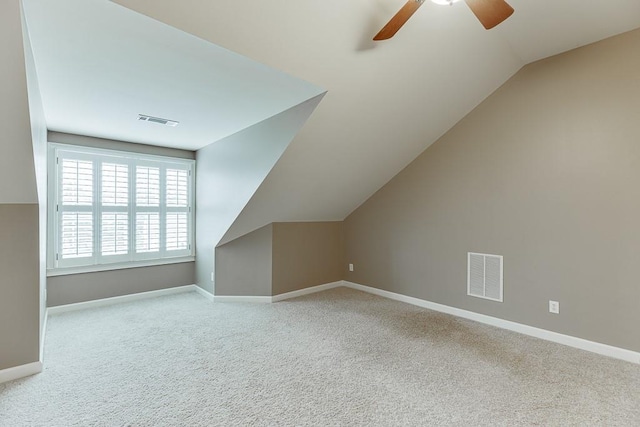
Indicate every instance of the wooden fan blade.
{"type": "Point", "coordinates": [398, 20]}
{"type": "Point", "coordinates": [490, 12]}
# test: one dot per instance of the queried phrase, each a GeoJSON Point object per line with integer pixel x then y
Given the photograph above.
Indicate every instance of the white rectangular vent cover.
{"type": "Point", "coordinates": [484, 276]}
{"type": "Point", "coordinates": [158, 120]}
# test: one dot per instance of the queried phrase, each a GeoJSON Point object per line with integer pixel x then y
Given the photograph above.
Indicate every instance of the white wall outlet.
{"type": "Point", "coordinates": [212, 276]}
{"type": "Point", "coordinates": [554, 307]}
{"type": "Point", "coordinates": [350, 267]}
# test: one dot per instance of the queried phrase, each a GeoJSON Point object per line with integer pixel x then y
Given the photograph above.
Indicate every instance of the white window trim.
{"type": "Point", "coordinates": [98, 263]}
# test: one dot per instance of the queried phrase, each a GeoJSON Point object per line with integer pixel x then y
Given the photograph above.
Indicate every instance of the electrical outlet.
{"type": "Point", "coordinates": [554, 307]}
{"type": "Point", "coordinates": [350, 267]}
{"type": "Point", "coordinates": [212, 276]}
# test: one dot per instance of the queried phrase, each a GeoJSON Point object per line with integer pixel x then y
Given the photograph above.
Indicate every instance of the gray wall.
{"type": "Point", "coordinates": [90, 141]}
{"type": "Point", "coordinates": [19, 302]}
{"type": "Point", "coordinates": [17, 170]}
{"type": "Point", "coordinates": [244, 265]}
{"type": "Point", "coordinates": [228, 173]}
{"type": "Point", "coordinates": [39, 144]}
{"type": "Point", "coordinates": [19, 225]}
{"type": "Point", "coordinates": [306, 254]}
{"type": "Point", "coordinates": [546, 172]}
{"type": "Point", "coordinates": [280, 258]}
{"type": "Point", "coordinates": [74, 288]}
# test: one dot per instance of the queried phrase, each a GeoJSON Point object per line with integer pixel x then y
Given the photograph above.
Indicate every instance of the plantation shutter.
{"type": "Point", "coordinates": [148, 211]}
{"type": "Point", "coordinates": [111, 207]}
{"type": "Point", "coordinates": [75, 207]}
{"type": "Point", "coordinates": [177, 199]}
{"type": "Point", "coordinates": [114, 212]}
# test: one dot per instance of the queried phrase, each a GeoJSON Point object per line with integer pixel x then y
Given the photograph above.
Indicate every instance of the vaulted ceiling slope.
{"type": "Point", "coordinates": [100, 65]}
{"type": "Point", "coordinates": [387, 101]}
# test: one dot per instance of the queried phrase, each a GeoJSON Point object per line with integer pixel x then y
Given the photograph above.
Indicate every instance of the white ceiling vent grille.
{"type": "Point", "coordinates": [484, 276]}
{"type": "Point", "coordinates": [158, 120]}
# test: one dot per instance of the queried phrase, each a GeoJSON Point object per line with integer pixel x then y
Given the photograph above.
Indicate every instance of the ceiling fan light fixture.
{"type": "Point", "coordinates": [445, 2]}
{"type": "Point", "coordinates": [489, 12]}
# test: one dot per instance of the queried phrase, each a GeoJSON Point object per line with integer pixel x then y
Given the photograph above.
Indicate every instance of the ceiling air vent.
{"type": "Point", "coordinates": [484, 276]}
{"type": "Point", "coordinates": [165, 122]}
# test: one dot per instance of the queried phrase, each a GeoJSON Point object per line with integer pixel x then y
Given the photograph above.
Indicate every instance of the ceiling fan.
{"type": "Point", "coordinates": [489, 12]}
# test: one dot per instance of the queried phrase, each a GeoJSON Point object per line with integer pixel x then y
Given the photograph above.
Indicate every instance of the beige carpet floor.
{"type": "Point", "coordinates": [336, 358]}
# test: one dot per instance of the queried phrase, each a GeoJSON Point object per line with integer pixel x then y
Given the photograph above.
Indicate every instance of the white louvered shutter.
{"type": "Point", "coordinates": [147, 232]}
{"type": "Point", "coordinates": [111, 207]}
{"type": "Point", "coordinates": [148, 216]}
{"type": "Point", "coordinates": [147, 186]}
{"type": "Point", "coordinates": [177, 205]}
{"type": "Point", "coordinates": [114, 210]}
{"type": "Point", "coordinates": [75, 210]}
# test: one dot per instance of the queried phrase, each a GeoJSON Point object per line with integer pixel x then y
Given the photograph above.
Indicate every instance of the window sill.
{"type": "Point", "coordinates": [121, 266]}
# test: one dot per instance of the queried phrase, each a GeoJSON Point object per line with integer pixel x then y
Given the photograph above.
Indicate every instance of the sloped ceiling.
{"type": "Point", "coordinates": [387, 101]}
{"type": "Point", "coordinates": [99, 65]}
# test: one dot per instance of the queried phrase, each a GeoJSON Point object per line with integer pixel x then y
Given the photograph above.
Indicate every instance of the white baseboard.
{"type": "Point", "coordinates": [306, 291]}
{"type": "Point", "coordinates": [208, 295]}
{"type": "Point", "coordinates": [240, 298]}
{"type": "Point", "coordinates": [117, 300]}
{"type": "Point", "coordinates": [21, 371]}
{"type": "Point", "coordinates": [276, 298]}
{"type": "Point", "coordinates": [594, 347]}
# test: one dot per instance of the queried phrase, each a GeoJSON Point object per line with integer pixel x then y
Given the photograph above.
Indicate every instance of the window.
{"type": "Point", "coordinates": [110, 208]}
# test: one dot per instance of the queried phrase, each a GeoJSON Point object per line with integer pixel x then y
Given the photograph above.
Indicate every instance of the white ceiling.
{"type": "Point", "coordinates": [386, 102]}
{"type": "Point", "coordinates": [99, 65]}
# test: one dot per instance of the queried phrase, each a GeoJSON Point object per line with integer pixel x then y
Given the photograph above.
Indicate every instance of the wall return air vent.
{"type": "Point", "coordinates": [158, 120]}
{"type": "Point", "coordinates": [484, 276]}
